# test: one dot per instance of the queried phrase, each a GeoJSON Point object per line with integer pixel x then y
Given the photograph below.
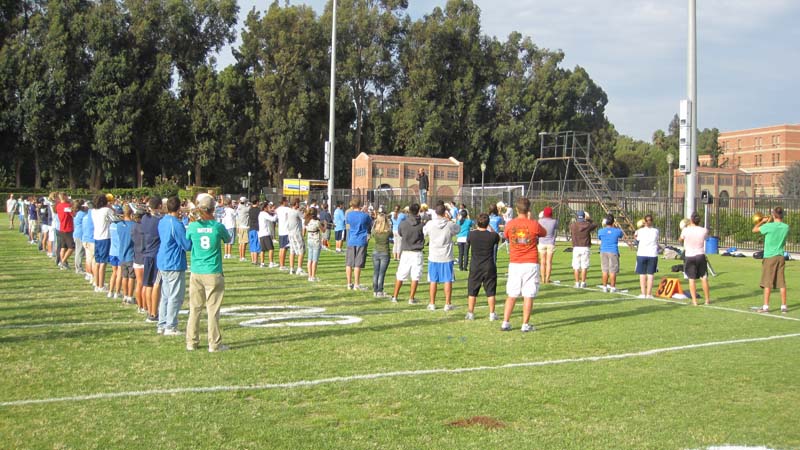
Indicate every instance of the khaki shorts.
{"type": "Point", "coordinates": [609, 262]}
{"type": "Point", "coordinates": [545, 249]}
{"type": "Point", "coordinates": [772, 272]}
{"type": "Point", "coordinates": [242, 235]}
{"type": "Point", "coordinates": [580, 258]}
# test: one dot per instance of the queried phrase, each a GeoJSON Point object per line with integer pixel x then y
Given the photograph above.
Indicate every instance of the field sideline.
{"type": "Point", "coordinates": [317, 366]}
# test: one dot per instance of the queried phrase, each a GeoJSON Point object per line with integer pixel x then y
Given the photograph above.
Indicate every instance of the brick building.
{"type": "Point", "coordinates": [399, 174]}
{"type": "Point", "coordinates": [765, 153]}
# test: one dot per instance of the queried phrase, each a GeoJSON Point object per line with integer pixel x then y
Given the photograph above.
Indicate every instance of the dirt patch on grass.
{"type": "Point", "coordinates": [478, 421]}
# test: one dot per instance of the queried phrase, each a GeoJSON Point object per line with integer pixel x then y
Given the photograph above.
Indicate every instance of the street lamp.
{"type": "Point", "coordinates": [670, 160]}
{"type": "Point", "coordinates": [483, 172]}
{"type": "Point", "coordinates": [249, 174]}
{"type": "Point", "coordinates": [189, 177]}
{"type": "Point", "coordinates": [380, 182]}
{"type": "Point", "coordinates": [141, 178]}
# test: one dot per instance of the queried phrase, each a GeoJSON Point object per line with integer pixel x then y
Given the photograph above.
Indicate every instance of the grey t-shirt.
{"type": "Point", "coordinates": [294, 222]}
{"type": "Point", "coordinates": [550, 225]}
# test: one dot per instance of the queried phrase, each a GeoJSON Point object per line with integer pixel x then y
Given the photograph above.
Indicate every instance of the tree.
{"type": "Point", "coordinates": [789, 181]}
{"type": "Point", "coordinates": [286, 48]}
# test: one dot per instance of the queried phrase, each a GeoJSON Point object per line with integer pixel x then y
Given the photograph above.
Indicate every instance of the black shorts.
{"type": "Point", "coordinates": [266, 243]}
{"type": "Point", "coordinates": [695, 267]}
{"type": "Point", "coordinates": [339, 235]}
{"type": "Point", "coordinates": [150, 272]}
{"type": "Point", "coordinates": [483, 277]}
{"type": "Point", "coordinates": [66, 240]}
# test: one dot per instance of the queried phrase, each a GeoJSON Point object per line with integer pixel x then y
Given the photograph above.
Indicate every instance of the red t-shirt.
{"type": "Point", "coordinates": [64, 211]}
{"type": "Point", "coordinates": [523, 236]}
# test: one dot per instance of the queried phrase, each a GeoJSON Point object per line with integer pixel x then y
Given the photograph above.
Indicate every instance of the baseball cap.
{"type": "Point", "coordinates": [242, 200]}
{"type": "Point", "coordinates": [206, 202]}
{"type": "Point", "coordinates": [581, 215]}
{"type": "Point", "coordinates": [548, 211]}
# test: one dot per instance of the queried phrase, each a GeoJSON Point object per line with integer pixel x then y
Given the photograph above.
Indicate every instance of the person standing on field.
{"type": "Point", "coordinates": [523, 236]}
{"type": "Point", "coordinates": [171, 261]}
{"type": "Point", "coordinates": [547, 244]}
{"type": "Point", "coordinates": [773, 265]}
{"type": "Point", "coordinates": [207, 283]}
{"type": "Point", "coordinates": [647, 256]}
{"type": "Point", "coordinates": [609, 237]}
{"type": "Point", "coordinates": [695, 265]}
{"type": "Point", "coordinates": [483, 270]}
{"type": "Point", "coordinates": [441, 232]}
{"type": "Point", "coordinates": [581, 231]}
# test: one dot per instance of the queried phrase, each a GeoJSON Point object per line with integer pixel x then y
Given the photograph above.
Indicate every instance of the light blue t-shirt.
{"type": "Point", "coordinates": [609, 239]}
{"type": "Point", "coordinates": [77, 224]}
{"type": "Point", "coordinates": [396, 223]}
{"type": "Point", "coordinates": [338, 220]}
{"type": "Point", "coordinates": [112, 232]}
{"type": "Point", "coordinates": [360, 224]}
{"type": "Point", "coordinates": [88, 228]}
{"type": "Point", "coordinates": [124, 242]}
{"type": "Point", "coordinates": [466, 225]}
{"type": "Point", "coordinates": [495, 221]}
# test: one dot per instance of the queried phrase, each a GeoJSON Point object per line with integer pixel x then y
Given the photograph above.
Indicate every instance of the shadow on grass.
{"type": "Point", "coordinates": [644, 309]}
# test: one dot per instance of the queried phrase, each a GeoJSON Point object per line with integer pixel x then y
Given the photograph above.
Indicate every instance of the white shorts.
{"type": "Point", "coordinates": [523, 280]}
{"type": "Point", "coordinates": [580, 258]}
{"type": "Point", "coordinates": [410, 266]}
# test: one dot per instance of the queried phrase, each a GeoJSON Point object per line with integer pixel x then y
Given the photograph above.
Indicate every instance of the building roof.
{"type": "Point", "coordinates": [788, 127]}
{"type": "Point", "coordinates": [409, 159]}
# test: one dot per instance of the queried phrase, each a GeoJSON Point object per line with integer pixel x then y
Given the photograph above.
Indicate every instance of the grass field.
{"type": "Point", "coordinates": [602, 370]}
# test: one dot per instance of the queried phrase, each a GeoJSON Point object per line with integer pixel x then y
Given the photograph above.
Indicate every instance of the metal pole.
{"type": "Point", "coordinates": [691, 176]}
{"type": "Point", "coordinates": [331, 121]}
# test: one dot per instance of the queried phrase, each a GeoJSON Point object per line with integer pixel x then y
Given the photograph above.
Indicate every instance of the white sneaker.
{"type": "Point", "coordinates": [412, 301]}
{"type": "Point", "coordinates": [431, 307]}
{"type": "Point", "coordinates": [299, 272]}
{"type": "Point", "coordinates": [784, 309]}
{"type": "Point", "coordinates": [221, 348]}
{"type": "Point", "coordinates": [469, 316]}
{"type": "Point", "coordinates": [159, 331]}
{"type": "Point", "coordinates": [88, 277]}
{"type": "Point", "coordinates": [641, 296]}
{"type": "Point", "coordinates": [612, 289]}
{"type": "Point", "coordinates": [311, 279]}
{"type": "Point", "coordinates": [359, 287]}
{"type": "Point", "coordinates": [506, 326]}
{"type": "Point", "coordinates": [291, 271]}
{"type": "Point", "coordinates": [273, 265]}
{"type": "Point", "coordinates": [242, 260]}
{"type": "Point", "coordinates": [604, 288]}
{"type": "Point", "coordinates": [583, 284]}
{"type": "Point", "coordinates": [262, 265]}
{"type": "Point", "coordinates": [101, 290]}
{"type": "Point", "coordinates": [649, 296]}
{"type": "Point", "coordinates": [449, 307]}
{"type": "Point", "coordinates": [492, 317]}
{"type": "Point", "coordinates": [577, 285]}
{"type": "Point", "coordinates": [190, 348]}
{"type": "Point", "coordinates": [110, 295]}
{"type": "Point", "coordinates": [526, 328]}
{"type": "Point", "coordinates": [172, 332]}
{"type": "Point", "coordinates": [283, 269]}
{"type": "Point", "coordinates": [393, 300]}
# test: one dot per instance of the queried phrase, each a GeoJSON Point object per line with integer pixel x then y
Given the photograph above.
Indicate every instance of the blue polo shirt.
{"type": "Point", "coordinates": [609, 239]}
{"type": "Point", "coordinates": [360, 224]}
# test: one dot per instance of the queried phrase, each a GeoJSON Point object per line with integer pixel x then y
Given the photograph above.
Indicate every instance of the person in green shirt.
{"type": "Point", "coordinates": [207, 283]}
{"type": "Point", "coordinates": [773, 264]}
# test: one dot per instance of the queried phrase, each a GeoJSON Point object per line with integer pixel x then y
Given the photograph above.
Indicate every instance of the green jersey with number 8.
{"type": "Point", "coordinates": [207, 237]}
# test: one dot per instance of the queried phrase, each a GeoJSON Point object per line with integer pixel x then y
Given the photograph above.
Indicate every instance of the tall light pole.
{"type": "Point", "coordinates": [670, 160]}
{"type": "Point", "coordinates": [483, 172]}
{"type": "Point", "coordinates": [141, 178]}
{"type": "Point", "coordinates": [189, 177]}
{"type": "Point", "coordinates": [249, 174]}
{"type": "Point", "coordinates": [691, 175]}
{"type": "Point", "coordinates": [331, 119]}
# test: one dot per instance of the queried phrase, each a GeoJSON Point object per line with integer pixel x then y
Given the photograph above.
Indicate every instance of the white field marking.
{"type": "Point", "coordinates": [380, 375]}
{"type": "Point", "coordinates": [279, 321]}
{"type": "Point", "coordinates": [257, 310]}
{"type": "Point", "coordinates": [712, 306]}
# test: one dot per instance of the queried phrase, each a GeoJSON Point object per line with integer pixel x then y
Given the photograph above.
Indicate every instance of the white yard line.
{"type": "Point", "coordinates": [379, 375]}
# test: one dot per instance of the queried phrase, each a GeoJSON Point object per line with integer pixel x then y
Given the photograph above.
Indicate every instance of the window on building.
{"type": "Point", "coordinates": [393, 173]}
{"type": "Point", "coordinates": [738, 144]}
{"type": "Point", "coordinates": [739, 161]}
{"type": "Point", "coordinates": [452, 175]}
{"type": "Point", "coordinates": [776, 140]}
{"type": "Point", "coordinates": [410, 173]}
{"type": "Point", "coordinates": [361, 172]}
{"type": "Point", "coordinates": [439, 173]}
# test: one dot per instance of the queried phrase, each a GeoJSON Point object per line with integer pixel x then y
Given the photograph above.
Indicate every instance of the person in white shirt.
{"type": "Point", "coordinates": [265, 220]}
{"type": "Point", "coordinates": [102, 216]}
{"type": "Point", "coordinates": [229, 222]}
{"type": "Point", "coordinates": [11, 210]}
{"type": "Point", "coordinates": [283, 212]}
{"type": "Point", "coordinates": [647, 256]}
{"type": "Point", "coordinates": [242, 226]}
{"type": "Point", "coordinates": [695, 265]}
{"type": "Point", "coordinates": [294, 231]}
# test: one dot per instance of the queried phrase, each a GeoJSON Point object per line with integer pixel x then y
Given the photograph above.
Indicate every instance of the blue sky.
{"type": "Point", "coordinates": [748, 54]}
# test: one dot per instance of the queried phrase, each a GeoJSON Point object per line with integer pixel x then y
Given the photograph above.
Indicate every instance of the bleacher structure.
{"type": "Point", "coordinates": [574, 149]}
